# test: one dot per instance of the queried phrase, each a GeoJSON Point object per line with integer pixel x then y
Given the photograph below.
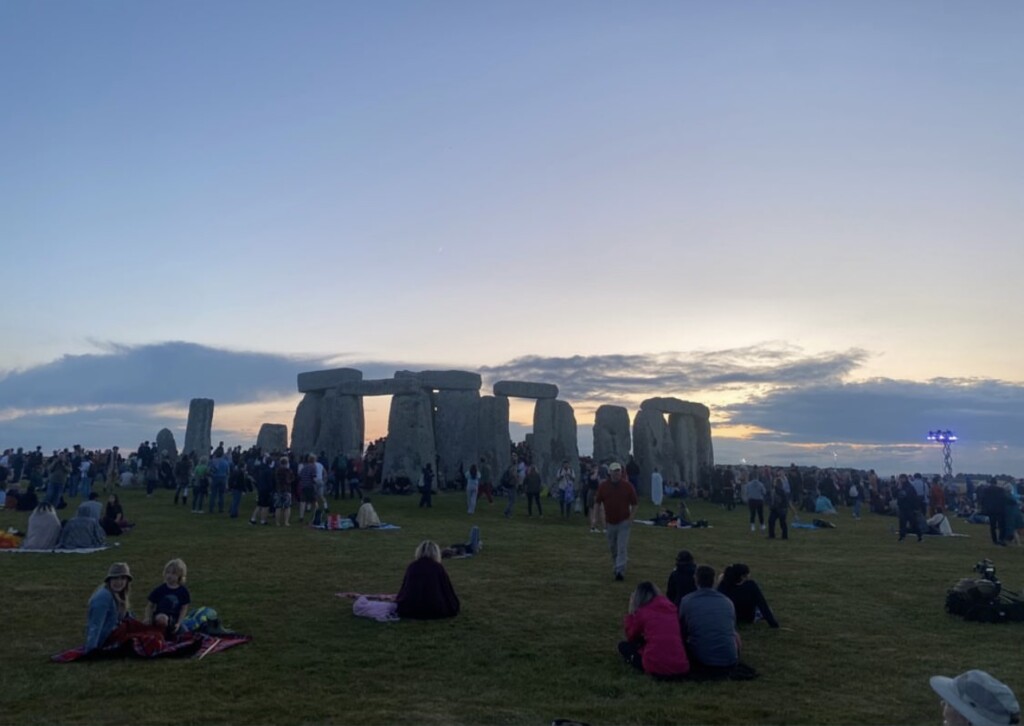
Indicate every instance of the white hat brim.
{"type": "Point", "coordinates": [946, 688]}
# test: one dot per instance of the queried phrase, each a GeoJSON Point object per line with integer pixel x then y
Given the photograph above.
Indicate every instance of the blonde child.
{"type": "Point", "coordinates": [168, 603]}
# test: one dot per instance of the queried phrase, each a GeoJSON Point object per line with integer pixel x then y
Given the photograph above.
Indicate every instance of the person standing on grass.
{"type": "Point", "coordinates": [307, 486]}
{"type": "Point", "coordinates": [616, 498]}
{"type": "Point", "coordinates": [532, 485]}
{"type": "Point", "coordinates": [909, 505]}
{"type": "Point", "coordinates": [779, 509]}
{"type": "Point", "coordinates": [200, 484]}
{"type": "Point", "coordinates": [486, 481]}
{"type": "Point", "coordinates": [566, 482]}
{"type": "Point", "coordinates": [510, 480]}
{"type": "Point", "coordinates": [427, 486]}
{"type": "Point", "coordinates": [182, 471]}
{"type": "Point", "coordinates": [754, 492]}
{"type": "Point", "coordinates": [283, 478]}
{"type": "Point", "coordinates": [220, 469]}
{"type": "Point", "coordinates": [472, 489]}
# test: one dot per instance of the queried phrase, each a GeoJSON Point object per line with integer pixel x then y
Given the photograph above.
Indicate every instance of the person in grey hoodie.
{"type": "Point", "coordinates": [84, 531]}
{"type": "Point", "coordinates": [755, 494]}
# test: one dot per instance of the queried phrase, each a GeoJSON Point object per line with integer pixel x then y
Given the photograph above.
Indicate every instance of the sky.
{"type": "Point", "coordinates": [805, 215]}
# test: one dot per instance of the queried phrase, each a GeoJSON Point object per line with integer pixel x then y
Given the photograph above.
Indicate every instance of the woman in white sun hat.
{"type": "Point", "coordinates": [975, 698]}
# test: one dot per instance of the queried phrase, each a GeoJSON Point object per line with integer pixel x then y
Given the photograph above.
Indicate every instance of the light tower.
{"type": "Point", "coordinates": [946, 438]}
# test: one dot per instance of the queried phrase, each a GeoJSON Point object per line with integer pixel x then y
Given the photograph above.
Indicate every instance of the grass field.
{"type": "Point", "coordinates": [862, 616]}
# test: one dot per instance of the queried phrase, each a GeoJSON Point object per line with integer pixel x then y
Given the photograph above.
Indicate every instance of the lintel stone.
{"type": "Point", "coordinates": [525, 389]}
{"type": "Point", "coordinates": [323, 380]}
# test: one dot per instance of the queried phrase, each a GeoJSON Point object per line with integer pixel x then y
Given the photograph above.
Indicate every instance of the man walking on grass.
{"type": "Point", "coordinates": [617, 498]}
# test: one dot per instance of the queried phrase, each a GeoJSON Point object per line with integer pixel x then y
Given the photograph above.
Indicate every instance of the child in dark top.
{"type": "Point", "coordinates": [746, 595]}
{"type": "Point", "coordinates": [168, 603]}
{"type": "Point", "coordinates": [681, 582]}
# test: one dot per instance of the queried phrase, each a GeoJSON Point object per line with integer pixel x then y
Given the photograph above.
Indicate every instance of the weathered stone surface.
{"type": "Point", "coordinates": [705, 448]}
{"type": "Point", "coordinates": [165, 442]}
{"type": "Point", "coordinates": [611, 435]}
{"type": "Point", "coordinates": [456, 430]}
{"type": "Point", "coordinates": [197, 430]}
{"type": "Point", "coordinates": [554, 438]}
{"type": "Point", "coordinates": [379, 387]}
{"type": "Point", "coordinates": [341, 425]}
{"type": "Point", "coordinates": [525, 389]}
{"type": "Point", "coordinates": [410, 443]}
{"type": "Point", "coordinates": [444, 380]}
{"type": "Point", "coordinates": [675, 405]}
{"type": "Point", "coordinates": [322, 380]}
{"type": "Point", "coordinates": [272, 438]}
{"type": "Point", "coordinates": [683, 429]}
{"type": "Point", "coordinates": [494, 443]}
{"type": "Point", "coordinates": [306, 425]}
{"type": "Point", "coordinates": [652, 447]}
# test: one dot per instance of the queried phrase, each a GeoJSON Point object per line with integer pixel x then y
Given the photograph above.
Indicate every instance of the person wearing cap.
{"type": "Point", "coordinates": [108, 606]}
{"type": "Point", "coordinates": [617, 498]}
{"type": "Point", "coordinates": [975, 698]}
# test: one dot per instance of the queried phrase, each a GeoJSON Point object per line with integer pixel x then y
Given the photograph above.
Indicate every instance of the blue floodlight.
{"type": "Point", "coordinates": [941, 436]}
{"type": "Point", "coordinates": [946, 438]}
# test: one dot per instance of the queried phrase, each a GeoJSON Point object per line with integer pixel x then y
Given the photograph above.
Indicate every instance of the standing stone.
{"type": "Point", "coordinates": [652, 447]}
{"type": "Point", "coordinates": [341, 426]}
{"type": "Point", "coordinates": [306, 426]}
{"type": "Point", "coordinates": [705, 449]}
{"type": "Point", "coordinates": [456, 430]}
{"type": "Point", "coordinates": [554, 438]}
{"type": "Point", "coordinates": [165, 442]}
{"type": "Point", "coordinates": [410, 443]}
{"type": "Point", "coordinates": [272, 438]}
{"type": "Point", "coordinates": [611, 435]}
{"type": "Point", "coordinates": [197, 431]}
{"type": "Point", "coordinates": [683, 430]}
{"type": "Point", "coordinates": [495, 444]}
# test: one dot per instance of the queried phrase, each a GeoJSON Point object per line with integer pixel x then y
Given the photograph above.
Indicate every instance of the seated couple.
{"type": "Point", "coordinates": [735, 583]}
{"type": "Point", "coordinates": [700, 639]}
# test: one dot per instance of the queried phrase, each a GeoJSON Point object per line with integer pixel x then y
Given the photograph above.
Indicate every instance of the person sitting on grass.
{"type": "Point", "coordinates": [367, 515]}
{"type": "Point", "coordinates": [653, 643]}
{"type": "Point", "coordinates": [707, 621]}
{"type": "Point", "coordinates": [168, 602]}
{"type": "Point", "coordinates": [108, 606]}
{"type": "Point", "coordinates": [83, 531]}
{"type": "Point", "coordinates": [975, 698]}
{"type": "Point", "coordinates": [113, 522]}
{"type": "Point", "coordinates": [426, 592]}
{"type": "Point", "coordinates": [823, 505]}
{"type": "Point", "coordinates": [681, 582]}
{"type": "Point", "coordinates": [746, 595]}
{"type": "Point", "coordinates": [43, 529]}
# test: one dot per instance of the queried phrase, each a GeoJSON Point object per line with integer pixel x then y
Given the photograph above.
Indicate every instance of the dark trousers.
{"type": "Point", "coordinates": [355, 490]}
{"type": "Point", "coordinates": [486, 490]}
{"type": "Point", "coordinates": [756, 507]}
{"type": "Point", "coordinates": [530, 499]}
{"type": "Point", "coordinates": [909, 516]}
{"type": "Point", "coordinates": [997, 526]}
{"type": "Point", "coordinates": [631, 654]}
{"type": "Point", "coordinates": [424, 498]}
{"type": "Point", "coordinates": [779, 517]}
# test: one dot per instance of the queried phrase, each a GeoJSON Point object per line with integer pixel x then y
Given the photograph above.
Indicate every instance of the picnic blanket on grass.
{"type": "Point", "coordinates": [328, 528]}
{"type": "Point", "coordinates": [56, 551]}
{"type": "Point", "coordinates": [133, 638]}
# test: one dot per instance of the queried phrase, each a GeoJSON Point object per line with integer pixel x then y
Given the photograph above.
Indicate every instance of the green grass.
{"type": "Point", "coordinates": [863, 624]}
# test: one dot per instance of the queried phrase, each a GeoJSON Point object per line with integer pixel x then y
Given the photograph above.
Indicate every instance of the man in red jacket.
{"type": "Point", "coordinates": [617, 497]}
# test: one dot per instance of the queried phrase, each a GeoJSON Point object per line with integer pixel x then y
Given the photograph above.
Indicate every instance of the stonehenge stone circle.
{"type": "Point", "coordinates": [341, 426]}
{"type": "Point", "coordinates": [493, 438]}
{"type": "Point", "coordinates": [689, 430]}
{"type": "Point", "coordinates": [444, 380]}
{"type": "Point", "coordinates": [306, 426]}
{"type": "Point", "coordinates": [410, 443]}
{"type": "Point", "coordinates": [554, 438]}
{"type": "Point", "coordinates": [611, 434]}
{"type": "Point", "coordinates": [525, 389]}
{"type": "Point", "coordinates": [272, 438]}
{"type": "Point", "coordinates": [322, 380]}
{"type": "Point", "coordinates": [197, 430]}
{"type": "Point", "coordinates": [652, 447]}
{"type": "Point", "coordinates": [165, 442]}
{"type": "Point", "coordinates": [456, 430]}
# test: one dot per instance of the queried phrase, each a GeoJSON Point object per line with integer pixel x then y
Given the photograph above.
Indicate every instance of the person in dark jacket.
{"type": "Point", "coordinates": [779, 509]}
{"type": "Point", "coordinates": [993, 502]}
{"type": "Point", "coordinates": [746, 595]}
{"type": "Point", "coordinates": [909, 505]}
{"type": "Point", "coordinates": [681, 582]}
{"type": "Point", "coordinates": [426, 592]}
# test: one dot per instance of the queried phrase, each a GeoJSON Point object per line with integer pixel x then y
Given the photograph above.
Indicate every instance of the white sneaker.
{"type": "Point", "coordinates": [753, 528]}
{"type": "Point", "coordinates": [762, 528]}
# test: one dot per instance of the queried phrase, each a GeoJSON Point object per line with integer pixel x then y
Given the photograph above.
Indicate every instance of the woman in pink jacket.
{"type": "Point", "coordinates": [653, 644]}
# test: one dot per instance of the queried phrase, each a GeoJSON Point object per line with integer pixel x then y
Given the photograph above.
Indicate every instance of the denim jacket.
{"type": "Point", "coordinates": [102, 618]}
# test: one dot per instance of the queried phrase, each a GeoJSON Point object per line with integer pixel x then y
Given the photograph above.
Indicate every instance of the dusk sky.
{"type": "Point", "coordinates": [806, 215]}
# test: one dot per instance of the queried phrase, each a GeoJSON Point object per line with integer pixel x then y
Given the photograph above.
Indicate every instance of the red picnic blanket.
{"type": "Point", "coordinates": [133, 638]}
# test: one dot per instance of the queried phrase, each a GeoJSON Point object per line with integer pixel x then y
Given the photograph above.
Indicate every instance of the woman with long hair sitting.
{"type": "Point", "coordinates": [108, 606]}
{"type": "Point", "coordinates": [653, 642]}
{"type": "Point", "coordinates": [427, 593]}
{"type": "Point", "coordinates": [746, 595]}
